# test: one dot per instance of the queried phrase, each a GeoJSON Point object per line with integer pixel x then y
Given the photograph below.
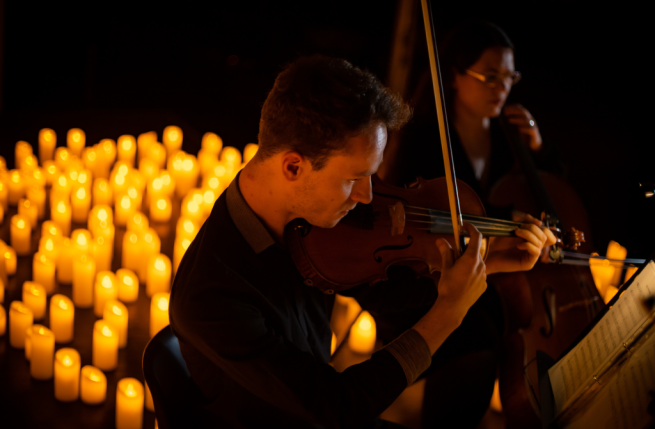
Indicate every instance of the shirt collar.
{"type": "Point", "coordinates": [246, 221]}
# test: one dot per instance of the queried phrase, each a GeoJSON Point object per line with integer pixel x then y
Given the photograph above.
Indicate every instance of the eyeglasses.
{"type": "Point", "coordinates": [496, 80]}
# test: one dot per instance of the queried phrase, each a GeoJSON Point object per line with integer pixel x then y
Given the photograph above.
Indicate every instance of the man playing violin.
{"type": "Point", "coordinates": [255, 338]}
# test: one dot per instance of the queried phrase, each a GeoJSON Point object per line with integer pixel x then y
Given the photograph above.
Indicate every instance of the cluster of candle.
{"type": "Point", "coordinates": [130, 183]}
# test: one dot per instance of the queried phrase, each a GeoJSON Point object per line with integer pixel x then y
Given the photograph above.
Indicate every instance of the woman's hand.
{"type": "Point", "coordinates": [520, 117]}
{"type": "Point", "coordinates": [520, 253]}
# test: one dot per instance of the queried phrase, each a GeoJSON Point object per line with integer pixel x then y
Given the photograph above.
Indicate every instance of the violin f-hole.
{"type": "Point", "coordinates": [378, 259]}
{"type": "Point", "coordinates": [550, 306]}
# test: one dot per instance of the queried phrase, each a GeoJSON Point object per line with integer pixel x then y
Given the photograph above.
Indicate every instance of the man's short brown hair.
{"type": "Point", "coordinates": [318, 101]}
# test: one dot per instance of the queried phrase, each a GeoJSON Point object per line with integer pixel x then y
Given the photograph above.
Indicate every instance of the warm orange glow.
{"type": "Point", "coordinates": [133, 238]}
{"type": "Point", "coordinates": [192, 206]}
{"type": "Point", "coordinates": [125, 202]}
{"type": "Point", "coordinates": [73, 175]}
{"type": "Point", "coordinates": [189, 226]}
{"type": "Point", "coordinates": [47, 136]}
{"type": "Point", "coordinates": [106, 331]}
{"type": "Point", "coordinates": [128, 280]}
{"type": "Point", "coordinates": [119, 179]}
{"type": "Point", "coordinates": [161, 204]}
{"type": "Point", "coordinates": [187, 165]}
{"type": "Point", "coordinates": [82, 177]}
{"type": "Point", "coordinates": [81, 240]}
{"type": "Point", "coordinates": [157, 184]}
{"type": "Point", "coordinates": [94, 377]}
{"type": "Point", "coordinates": [148, 238]}
{"type": "Point", "coordinates": [103, 186]}
{"type": "Point", "coordinates": [162, 304]}
{"type": "Point", "coordinates": [209, 196]}
{"type": "Point", "coordinates": [53, 230]}
{"type": "Point", "coordinates": [62, 180]}
{"type": "Point", "coordinates": [91, 154]}
{"type": "Point", "coordinates": [106, 282]}
{"type": "Point", "coordinates": [15, 176]}
{"type": "Point", "coordinates": [63, 305]}
{"type": "Point", "coordinates": [173, 135]}
{"type": "Point", "coordinates": [213, 183]}
{"type": "Point", "coordinates": [117, 311]}
{"type": "Point", "coordinates": [127, 144]}
{"type": "Point", "coordinates": [81, 193]}
{"type": "Point", "coordinates": [35, 291]}
{"type": "Point", "coordinates": [76, 136]}
{"type": "Point", "coordinates": [197, 197]}
{"type": "Point", "coordinates": [129, 391]}
{"type": "Point", "coordinates": [132, 192]}
{"type": "Point", "coordinates": [177, 164]}
{"type": "Point", "coordinates": [83, 258]}
{"type": "Point", "coordinates": [43, 259]}
{"type": "Point", "coordinates": [123, 170]}
{"type": "Point", "coordinates": [165, 178]}
{"type": "Point", "coordinates": [20, 223]}
{"type": "Point", "coordinates": [100, 240]}
{"type": "Point", "coordinates": [186, 243]}
{"type": "Point", "coordinates": [160, 264]}
{"type": "Point", "coordinates": [52, 169]}
{"type": "Point", "coordinates": [365, 324]}
{"type": "Point", "coordinates": [41, 331]}
{"type": "Point", "coordinates": [102, 214]}
{"type": "Point", "coordinates": [61, 207]}
{"type": "Point", "coordinates": [220, 171]}
{"type": "Point", "coordinates": [67, 361]}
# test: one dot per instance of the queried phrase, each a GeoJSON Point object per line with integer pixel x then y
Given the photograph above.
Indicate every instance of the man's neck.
{"type": "Point", "coordinates": [259, 190]}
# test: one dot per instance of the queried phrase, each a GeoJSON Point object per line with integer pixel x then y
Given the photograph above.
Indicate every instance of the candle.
{"type": "Point", "coordinates": [34, 297]}
{"type": "Point", "coordinates": [62, 317]}
{"type": "Point", "coordinates": [99, 213]}
{"type": "Point", "coordinates": [107, 152]}
{"type": "Point", "coordinates": [34, 176]}
{"type": "Point", "coordinates": [102, 192]}
{"type": "Point", "coordinates": [137, 180]}
{"type": "Point", "coordinates": [85, 179]}
{"type": "Point", "coordinates": [249, 152]}
{"type": "Point", "coordinates": [36, 195]}
{"type": "Point", "coordinates": [168, 183]}
{"type": "Point", "coordinates": [105, 345]}
{"type": "Point", "coordinates": [4, 193]}
{"type": "Point", "coordinates": [212, 143]}
{"type": "Point", "coordinates": [161, 209]}
{"type": "Point", "coordinates": [209, 197]}
{"type": "Point", "coordinates": [135, 196]}
{"type": "Point", "coordinates": [179, 249]}
{"type": "Point", "coordinates": [102, 253]}
{"type": "Point", "coordinates": [92, 162]}
{"type": "Point", "coordinates": [67, 375]}
{"type": "Point", "coordinates": [93, 385]}
{"type": "Point", "coordinates": [2, 292]}
{"type": "Point", "coordinates": [84, 272]}
{"type": "Point", "coordinates": [62, 185]}
{"type": "Point", "coordinates": [362, 334]}
{"type": "Point", "coordinates": [157, 153]}
{"type": "Point", "coordinates": [158, 312]}
{"type": "Point", "coordinates": [29, 210]}
{"type": "Point", "coordinates": [131, 251]}
{"type": "Point", "coordinates": [105, 290]}
{"type": "Point", "coordinates": [144, 141]}
{"type": "Point", "coordinates": [129, 404]}
{"type": "Point", "coordinates": [61, 214]}
{"type": "Point", "coordinates": [43, 271]}
{"type": "Point", "coordinates": [206, 161]}
{"type": "Point", "coordinates": [126, 149]}
{"type": "Point", "coordinates": [47, 143]}
{"type": "Point", "coordinates": [138, 222]}
{"type": "Point", "coordinates": [64, 262]}
{"type": "Point", "coordinates": [118, 179]}
{"type": "Point", "coordinates": [15, 187]}
{"type": "Point", "coordinates": [10, 260]}
{"type": "Point", "coordinates": [51, 229]}
{"type": "Point", "coordinates": [81, 239]}
{"type": "Point", "coordinates": [230, 155]}
{"type": "Point", "coordinates": [124, 208]}
{"type": "Point", "coordinates": [186, 228]}
{"type": "Point", "coordinates": [21, 150]}
{"type": "Point", "coordinates": [158, 277]}
{"type": "Point", "coordinates": [43, 353]}
{"type": "Point", "coordinates": [150, 245]}
{"type": "Point", "coordinates": [49, 247]}
{"type": "Point", "coordinates": [20, 318]}
{"type": "Point", "coordinates": [116, 314]}
{"type": "Point", "coordinates": [2, 214]}
{"type": "Point", "coordinates": [76, 140]}
{"type": "Point", "coordinates": [214, 183]}
{"type": "Point", "coordinates": [3, 321]}
{"type": "Point", "coordinates": [191, 209]}
{"type": "Point", "coordinates": [28, 342]}
{"type": "Point", "coordinates": [128, 285]}
{"type": "Point", "coordinates": [221, 173]}
{"type": "Point", "coordinates": [21, 234]}
{"type": "Point", "coordinates": [51, 172]}
{"type": "Point", "coordinates": [148, 169]}
{"type": "Point", "coordinates": [187, 176]}
{"type": "Point", "coordinates": [172, 139]}
{"type": "Point", "coordinates": [80, 203]}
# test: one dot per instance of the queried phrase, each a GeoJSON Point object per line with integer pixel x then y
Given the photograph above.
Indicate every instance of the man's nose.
{"type": "Point", "coordinates": [362, 191]}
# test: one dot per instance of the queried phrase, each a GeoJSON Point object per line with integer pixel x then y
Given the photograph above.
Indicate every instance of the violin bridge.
{"type": "Point", "coordinates": [397, 213]}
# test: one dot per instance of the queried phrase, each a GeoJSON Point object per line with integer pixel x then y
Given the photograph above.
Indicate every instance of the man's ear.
{"type": "Point", "coordinates": [294, 165]}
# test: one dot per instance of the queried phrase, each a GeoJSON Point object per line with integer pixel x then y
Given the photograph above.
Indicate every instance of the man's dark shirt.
{"type": "Point", "coordinates": [256, 339]}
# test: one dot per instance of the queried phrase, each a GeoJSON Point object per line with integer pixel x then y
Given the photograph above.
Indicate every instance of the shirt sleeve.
{"type": "Point", "coordinates": [227, 325]}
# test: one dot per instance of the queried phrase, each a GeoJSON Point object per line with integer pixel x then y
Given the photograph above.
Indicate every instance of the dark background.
{"type": "Point", "coordinates": [126, 69]}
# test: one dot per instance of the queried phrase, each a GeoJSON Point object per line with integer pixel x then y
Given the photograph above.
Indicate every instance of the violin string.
{"type": "Point", "coordinates": [446, 228]}
{"type": "Point", "coordinates": [478, 224]}
{"type": "Point", "coordinates": [473, 217]}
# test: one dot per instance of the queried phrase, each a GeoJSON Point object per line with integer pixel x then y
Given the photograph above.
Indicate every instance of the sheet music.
{"type": "Point", "coordinates": [623, 402]}
{"type": "Point", "coordinates": [574, 372]}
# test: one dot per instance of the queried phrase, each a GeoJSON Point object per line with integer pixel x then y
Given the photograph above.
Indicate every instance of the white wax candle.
{"type": "Point", "coordinates": [47, 143]}
{"type": "Point", "coordinates": [230, 155]}
{"type": "Point", "coordinates": [93, 385]}
{"type": "Point", "coordinates": [209, 197]}
{"type": "Point", "coordinates": [129, 404]}
{"type": "Point", "coordinates": [161, 209]}
{"type": "Point", "coordinates": [51, 229]}
{"type": "Point", "coordinates": [124, 208]}
{"type": "Point", "coordinates": [80, 203]}
{"type": "Point", "coordinates": [206, 161]}
{"type": "Point", "coordinates": [150, 245]}
{"type": "Point", "coordinates": [62, 185]}
{"type": "Point", "coordinates": [51, 172]}
{"type": "Point", "coordinates": [118, 178]}
{"type": "Point", "coordinates": [128, 285]}
{"type": "Point", "coordinates": [29, 210]}
{"type": "Point", "coordinates": [144, 141]}
{"type": "Point", "coordinates": [132, 257]}
{"type": "Point", "coordinates": [62, 318]}
{"type": "Point", "coordinates": [43, 271]}
{"type": "Point", "coordinates": [105, 345]}
{"type": "Point", "coordinates": [15, 187]}
{"type": "Point", "coordinates": [126, 149]}
{"type": "Point", "coordinates": [186, 228]}
{"type": "Point", "coordinates": [60, 214]}
{"type": "Point", "coordinates": [21, 234]}
{"type": "Point", "coordinates": [172, 139]}
{"type": "Point", "coordinates": [34, 297]}
{"type": "Point", "coordinates": [76, 140]}
{"type": "Point", "coordinates": [10, 260]}
{"type": "Point", "coordinates": [85, 179]}
{"type": "Point", "coordinates": [159, 274]}
{"type": "Point", "coordinates": [138, 222]}
{"type": "Point", "coordinates": [187, 177]}
{"type": "Point", "coordinates": [148, 169]}
{"type": "Point", "coordinates": [100, 213]}
{"type": "Point", "coordinates": [116, 314]}
{"type": "Point", "coordinates": [191, 209]}
{"type": "Point", "coordinates": [102, 253]}
{"type": "Point", "coordinates": [3, 321]}
{"type": "Point", "coordinates": [36, 195]}
{"type": "Point", "coordinates": [65, 261]}
{"type": "Point", "coordinates": [43, 353]}
{"type": "Point", "coordinates": [212, 142]}
{"type": "Point", "coordinates": [107, 152]}
{"type": "Point", "coordinates": [105, 290]}
{"type": "Point", "coordinates": [179, 249]}
{"type": "Point", "coordinates": [67, 375]}
{"type": "Point", "coordinates": [362, 334]}
{"type": "Point", "coordinates": [157, 153]}
{"type": "Point", "coordinates": [81, 240]}
{"type": "Point", "coordinates": [159, 312]}
{"type": "Point", "coordinates": [102, 192]}
{"type": "Point", "coordinates": [84, 272]}
{"type": "Point", "coordinates": [92, 162]}
{"type": "Point", "coordinates": [35, 176]}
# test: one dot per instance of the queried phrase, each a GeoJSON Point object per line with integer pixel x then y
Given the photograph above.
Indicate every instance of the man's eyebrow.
{"type": "Point", "coordinates": [366, 173]}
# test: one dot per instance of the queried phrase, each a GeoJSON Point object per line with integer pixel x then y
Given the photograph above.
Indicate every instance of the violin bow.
{"type": "Point", "coordinates": [446, 149]}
